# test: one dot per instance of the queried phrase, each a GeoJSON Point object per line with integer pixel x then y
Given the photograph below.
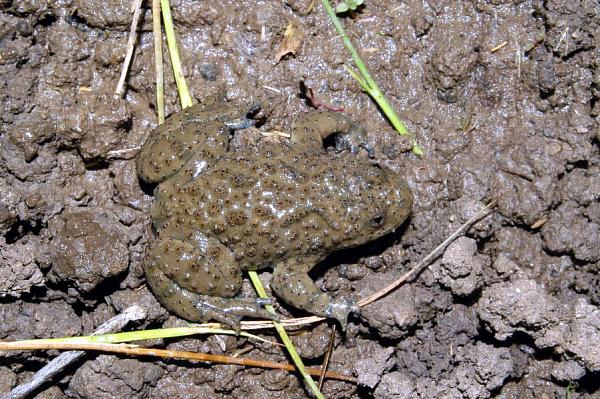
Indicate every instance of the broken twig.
{"type": "Point", "coordinates": [137, 7]}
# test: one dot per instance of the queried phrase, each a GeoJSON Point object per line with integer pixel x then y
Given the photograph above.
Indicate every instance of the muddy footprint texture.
{"type": "Point", "coordinates": [504, 99]}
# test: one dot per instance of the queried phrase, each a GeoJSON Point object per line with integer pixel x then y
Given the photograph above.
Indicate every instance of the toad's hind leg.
{"type": "Point", "coordinates": [310, 129]}
{"type": "Point", "coordinates": [196, 279]}
{"type": "Point", "coordinates": [292, 283]}
{"type": "Point", "coordinates": [196, 136]}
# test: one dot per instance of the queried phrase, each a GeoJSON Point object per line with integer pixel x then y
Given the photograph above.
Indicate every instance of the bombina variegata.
{"type": "Point", "coordinates": [283, 205]}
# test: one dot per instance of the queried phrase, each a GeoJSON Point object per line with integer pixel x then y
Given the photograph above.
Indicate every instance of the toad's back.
{"type": "Point", "coordinates": [277, 202]}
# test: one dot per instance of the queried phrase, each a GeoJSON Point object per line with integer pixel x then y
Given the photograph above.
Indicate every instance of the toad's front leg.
{"type": "Point", "coordinates": [196, 278]}
{"type": "Point", "coordinates": [292, 283]}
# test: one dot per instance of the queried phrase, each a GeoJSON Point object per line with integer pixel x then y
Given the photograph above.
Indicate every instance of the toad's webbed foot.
{"type": "Point", "coordinates": [245, 121]}
{"type": "Point", "coordinates": [230, 311]}
{"type": "Point", "coordinates": [340, 309]}
{"type": "Point", "coordinates": [353, 140]}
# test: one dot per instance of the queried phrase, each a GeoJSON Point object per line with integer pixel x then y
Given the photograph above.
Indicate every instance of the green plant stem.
{"type": "Point", "coordinates": [367, 82]}
{"type": "Point", "coordinates": [286, 339]}
{"type": "Point", "coordinates": [184, 93]}
{"type": "Point", "coordinates": [130, 336]}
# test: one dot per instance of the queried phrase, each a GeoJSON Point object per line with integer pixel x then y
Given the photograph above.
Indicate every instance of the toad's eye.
{"type": "Point", "coordinates": [378, 220]}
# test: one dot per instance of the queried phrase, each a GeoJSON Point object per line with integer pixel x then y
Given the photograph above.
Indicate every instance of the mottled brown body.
{"type": "Point", "coordinates": [282, 205]}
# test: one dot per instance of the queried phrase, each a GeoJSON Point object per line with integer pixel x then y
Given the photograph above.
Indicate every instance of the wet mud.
{"type": "Point", "coordinates": [503, 96]}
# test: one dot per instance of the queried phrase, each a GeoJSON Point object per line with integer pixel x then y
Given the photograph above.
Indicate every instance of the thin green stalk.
{"type": "Point", "coordinates": [184, 93]}
{"type": "Point", "coordinates": [160, 333]}
{"type": "Point", "coordinates": [367, 82]}
{"type": "Point", "coordinates": [286, 339]}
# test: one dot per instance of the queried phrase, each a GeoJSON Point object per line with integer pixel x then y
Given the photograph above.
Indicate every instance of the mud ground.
{"type": "Point", "coordinates": [502, 95]}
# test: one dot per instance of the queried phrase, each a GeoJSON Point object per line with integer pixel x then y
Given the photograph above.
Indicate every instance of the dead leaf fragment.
{"type": "Point", "coordinates": [539, 223]}
{"type": "Point", "coordinates": [292, 39]}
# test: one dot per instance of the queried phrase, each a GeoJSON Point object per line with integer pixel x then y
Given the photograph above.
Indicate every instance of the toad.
{"type": "Point", "coordinates": [218, 213]}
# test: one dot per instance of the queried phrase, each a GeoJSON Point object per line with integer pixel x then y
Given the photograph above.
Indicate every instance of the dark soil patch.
{"type": "Point", "coordinates": [503, 97]}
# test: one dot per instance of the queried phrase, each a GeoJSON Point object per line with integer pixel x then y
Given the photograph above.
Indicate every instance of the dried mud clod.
{"type": "Point", "coordinates": [504, 97]}
{"type": "Point", "coordinates": [87, 249]}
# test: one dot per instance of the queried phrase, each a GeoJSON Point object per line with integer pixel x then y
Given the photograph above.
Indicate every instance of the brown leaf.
{"type": "Point", "coordinates": [292, 39]}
